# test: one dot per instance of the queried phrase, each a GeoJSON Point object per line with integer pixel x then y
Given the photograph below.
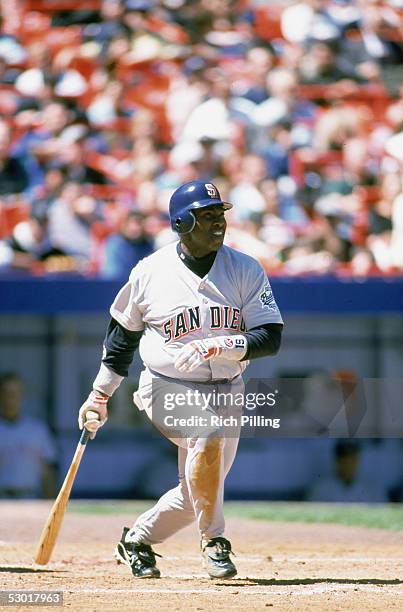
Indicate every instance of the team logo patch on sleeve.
{"type": "Point", "coordinates": [267, 298]}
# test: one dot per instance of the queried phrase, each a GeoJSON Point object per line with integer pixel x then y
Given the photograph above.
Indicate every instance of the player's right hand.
{"type": "Point", "coordinates": [96, 402]}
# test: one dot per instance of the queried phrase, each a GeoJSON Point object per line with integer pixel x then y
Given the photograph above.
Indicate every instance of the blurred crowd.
{"type": "Point", "coordinates": [294, 109]}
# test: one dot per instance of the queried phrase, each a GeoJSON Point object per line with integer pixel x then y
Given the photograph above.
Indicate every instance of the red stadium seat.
{"type": "Point", "coordinates": [11, 214]}
{"type": "Point", "coordinates": [268, 21]}
{"type": "Point", "coordinates": [369, 195]}
{"type": "Point", "coordinates": [34, 27]}
{"type": "Point", "coordinates": [171, 32]}
{"type": "Point", "coordinates": [300, 163]}
{"type": "Point", "coordinates": [52, 6]}
{"type": "Point", "coordinates": [374, 97]}
{"type": "Point", "coordinates": [85, 66]}
{"type": "Point", "coordinates": [59, 38]}
{"type": "Point", "coordinates": [106, 192]}
{"type": "Point", "coordinates": [151, 94]}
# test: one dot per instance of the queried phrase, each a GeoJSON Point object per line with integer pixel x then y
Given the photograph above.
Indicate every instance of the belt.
{"type": "Point", "coordinates": [216, 381]}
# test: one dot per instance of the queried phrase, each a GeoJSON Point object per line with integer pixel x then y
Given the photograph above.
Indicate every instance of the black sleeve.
{"type": "Point", "coordinates": [120, 344]}
{"type": "Point", "coordinates": [263, 340]}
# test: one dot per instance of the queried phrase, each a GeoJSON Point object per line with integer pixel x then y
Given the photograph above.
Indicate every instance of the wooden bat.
{"type": "Point", "coordinates": [55, 518]}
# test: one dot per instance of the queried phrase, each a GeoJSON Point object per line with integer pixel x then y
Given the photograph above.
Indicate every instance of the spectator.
{"type": "Point", "coordinates": [30, 248]}
{"type": "Point", "coordinates": [105, 108]}
{"type": "Point", "coordinates": [43, 141]}
{"type": "Point", "coordinates": [308, 257]}
{"type": "Point", "coordinates": [394, 113]}
{"type": "Point", "coordinates": [321, 66]}
{"type": "Point", "coordinates": [259, 63]}
{"type": "Point", "coordinates": [124, 249]}
{"type": "Point", "coordinates": [274, 145]}
{"type": "Point", "coordinates": [371, 49]}
{"type": "Point", "coordinates": [70, 220]}
{"type": "Point", "coordinates": [72, 158]}
{"type": "Point", "coordinates": [11, 49]}
{"type": "Point", "coordinates": [187, 91]}
{"type": "Point", "coordinates": [363, 263]}
{"type": "Point", "coordinates": [214, 117]}
{"type": "Point", "coordinates": [346, 485]}
{"type": "Point", "coordinates": [284, 102]}
{"type": "Point", "coordinates": [153, 94]}
{"type": "Point", "coordinates": [41, 144]}
{"type": "Point", "coordinates": [335, 126]}
{"type": "Point", "coordinates": [380, 221]}
{"type": "Point", "coordinates": [110, 25]}
{"type": "Point", "coordinates": [246, 195]}
{"type": "Point", "coordinates": [27, 451]}
{"type": "Point", "coordinates": [309, 19]}
{"type": "Point", "coordinates": [7, 75]}
{"type": "Point", "coordinates": [209, 162]}
{"type": "Point", "coordinates": [397, 232]}
{"type": "Point", "coordinates": [13, 178]}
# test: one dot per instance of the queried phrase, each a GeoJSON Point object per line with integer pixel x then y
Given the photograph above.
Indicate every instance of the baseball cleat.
{"type": "Point", "coordinates": [139, 557]}
{"type": "Point", "coordinates": [216, 558]}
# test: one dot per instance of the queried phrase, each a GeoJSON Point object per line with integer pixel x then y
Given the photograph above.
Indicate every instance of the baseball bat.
{"type": "Point", "coordinates": [52, 526]}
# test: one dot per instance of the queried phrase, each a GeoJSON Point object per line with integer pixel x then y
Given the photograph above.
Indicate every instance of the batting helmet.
{"type": "Point", "coordinates": [191, 196]}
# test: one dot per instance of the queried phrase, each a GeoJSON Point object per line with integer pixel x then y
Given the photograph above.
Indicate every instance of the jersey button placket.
{"type": "Point", "coordinates": [206, 317]}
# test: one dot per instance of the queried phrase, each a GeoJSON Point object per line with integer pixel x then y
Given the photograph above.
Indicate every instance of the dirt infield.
{"type": "Point", "coordinates": [284, 566]}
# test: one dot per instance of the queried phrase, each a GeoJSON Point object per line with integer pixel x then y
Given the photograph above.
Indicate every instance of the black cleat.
{"type": "Point", "coordinates": [216, 558]}
{"type": "Point", "coordinates": [139, 557]}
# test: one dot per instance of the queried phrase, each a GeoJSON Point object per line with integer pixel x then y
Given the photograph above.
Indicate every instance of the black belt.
{"type": "Point", "coordinates": [217, 381]}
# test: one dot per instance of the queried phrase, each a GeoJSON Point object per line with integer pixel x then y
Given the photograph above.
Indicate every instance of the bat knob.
{"type": "Point", "coordinates": [92, 421]}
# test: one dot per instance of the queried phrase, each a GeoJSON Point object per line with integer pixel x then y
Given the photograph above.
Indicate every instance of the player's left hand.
{"type": "Point", "coordinates": [195, 353]}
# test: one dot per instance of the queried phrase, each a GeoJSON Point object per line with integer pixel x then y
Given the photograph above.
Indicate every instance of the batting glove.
{"type": "Point", "coordinates": [195, 353]}
{"type": "Point", "coordinates": [96, 402]}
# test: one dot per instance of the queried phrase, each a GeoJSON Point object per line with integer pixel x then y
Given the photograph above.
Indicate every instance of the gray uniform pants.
{"type": "Point", "coordinates": [206, 451]}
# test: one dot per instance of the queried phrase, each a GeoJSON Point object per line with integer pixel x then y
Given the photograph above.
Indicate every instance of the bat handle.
{"type": "Point", "coordinates": [85, 436]}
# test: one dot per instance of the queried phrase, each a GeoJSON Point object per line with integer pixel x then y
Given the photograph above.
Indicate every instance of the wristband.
{"type": "Point", "coordinates": [97, 398]}
{"type": "Point", "coordinates": [107, 381]}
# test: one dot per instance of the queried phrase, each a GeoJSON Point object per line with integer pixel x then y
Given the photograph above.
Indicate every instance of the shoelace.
{"type": "Point", "coordinates": [143, 553]}
{"type": "Point", "coordinates": [222, 546]}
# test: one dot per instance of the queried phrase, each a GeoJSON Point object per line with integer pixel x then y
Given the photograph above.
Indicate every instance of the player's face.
{"type": "Point", "coordinates": [208, 233]}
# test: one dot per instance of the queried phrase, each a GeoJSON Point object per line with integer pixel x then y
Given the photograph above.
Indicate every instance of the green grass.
{"type": "Point", "coordinates": [380, 516]}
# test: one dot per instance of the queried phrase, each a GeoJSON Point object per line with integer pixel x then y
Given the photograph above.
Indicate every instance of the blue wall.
{"type": "Point", "coordinates": [51, 332]}
{"type": "Point", "coordinates": [51, 295]}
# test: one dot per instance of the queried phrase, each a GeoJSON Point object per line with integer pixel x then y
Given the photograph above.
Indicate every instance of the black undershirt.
{"type": "Point", "coordinates": [120, 343]}
{"type": "Point", "coordinates": [198, 265]}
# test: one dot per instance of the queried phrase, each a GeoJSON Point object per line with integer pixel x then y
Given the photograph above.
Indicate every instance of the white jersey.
{"type": "Point", "coordinates": [174, 306]}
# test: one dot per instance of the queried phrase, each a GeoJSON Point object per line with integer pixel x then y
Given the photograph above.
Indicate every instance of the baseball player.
{"type": "Point", "coordinates": [198, 311]}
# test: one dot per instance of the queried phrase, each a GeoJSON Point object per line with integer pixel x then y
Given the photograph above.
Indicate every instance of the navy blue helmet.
{"type": "Point", "coordinates": [191, 196]}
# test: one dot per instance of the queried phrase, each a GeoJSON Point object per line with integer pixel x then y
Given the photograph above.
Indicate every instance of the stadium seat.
{"type": "Point", "coordinates": [268, 21]}
{"type": "Point", "coordinates": [58, 38]}
{"type": "Point", "coordinates": [171, 32]}
{"type": "Point", "coordinates": [11, 214]}
{"type": "Point", "coordinates": [34, 27]}
{"type": "Point", "coordinates": [300, 163]}
{"type": "Point", "coordinates": [52, 6]}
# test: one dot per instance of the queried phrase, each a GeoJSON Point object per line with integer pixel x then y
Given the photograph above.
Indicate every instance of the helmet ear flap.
{"type": "Point", "coordinates": [185, 223]}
